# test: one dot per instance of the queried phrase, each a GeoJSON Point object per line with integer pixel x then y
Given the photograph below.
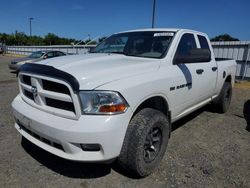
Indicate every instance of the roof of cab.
{"type": "Point", "coordinates": [153, 29]}
{"type": "Point", "coordinates": [162, 29]}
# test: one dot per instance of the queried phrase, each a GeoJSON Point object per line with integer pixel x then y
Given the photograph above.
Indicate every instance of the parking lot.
{"type": "Point", "coordinates": [206, 149]}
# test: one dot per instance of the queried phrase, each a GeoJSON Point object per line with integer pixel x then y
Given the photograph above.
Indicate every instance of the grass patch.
{"type": "Point", "coordinates": [242, 85]}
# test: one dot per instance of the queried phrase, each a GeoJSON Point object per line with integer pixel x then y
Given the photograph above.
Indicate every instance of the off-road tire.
{"type": "Point", "coordinates": [222, 102]}
{"type": "Point", "coordinates": [135, 154]}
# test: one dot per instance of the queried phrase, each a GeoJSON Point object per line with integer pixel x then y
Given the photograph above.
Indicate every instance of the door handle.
{"type": "Point", "coordinates": [199, 71]}
{"type": "Point", "coordinates": [214, 68]}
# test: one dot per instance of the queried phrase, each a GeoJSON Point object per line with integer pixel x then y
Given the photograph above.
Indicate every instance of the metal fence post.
{"type": "Point", "coordinates": [246, 62]}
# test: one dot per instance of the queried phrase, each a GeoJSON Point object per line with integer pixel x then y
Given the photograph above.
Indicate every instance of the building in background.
{"type": "Point", "coordinates": [238, 50]}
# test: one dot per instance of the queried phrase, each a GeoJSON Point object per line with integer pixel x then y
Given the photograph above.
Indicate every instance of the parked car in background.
{"type": "Point", "coordinates": [34, 57]}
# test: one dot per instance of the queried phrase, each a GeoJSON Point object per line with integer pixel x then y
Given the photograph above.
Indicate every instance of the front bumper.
{"type": "Point", "coordinates": [63, 137]}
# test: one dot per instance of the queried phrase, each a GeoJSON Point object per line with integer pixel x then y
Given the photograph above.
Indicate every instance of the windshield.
{"type": "Point", "coordinates": [37, 54]}
{"type": "Point", "coordinates": [140, 44]}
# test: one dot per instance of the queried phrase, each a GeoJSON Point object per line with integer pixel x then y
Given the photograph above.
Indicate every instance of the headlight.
{"type": "Point", "coordinates": [102, 102]}
{"type": "Point", "coordinates": [21, 62]}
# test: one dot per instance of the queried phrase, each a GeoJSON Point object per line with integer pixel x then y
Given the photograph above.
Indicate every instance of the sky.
{"type": "Point", "coordinates": [97, 18]}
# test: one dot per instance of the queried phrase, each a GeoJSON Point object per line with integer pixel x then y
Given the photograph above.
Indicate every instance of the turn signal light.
{"type": "Point", "coordinates": [113, 108]}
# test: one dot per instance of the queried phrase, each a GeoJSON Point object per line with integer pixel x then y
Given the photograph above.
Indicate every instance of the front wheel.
{"type": "Point", "coordinates": [145, 142]}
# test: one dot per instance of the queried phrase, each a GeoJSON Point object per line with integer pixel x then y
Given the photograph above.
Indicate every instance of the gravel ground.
{"type": "Point", "coordinates": [206, 149]}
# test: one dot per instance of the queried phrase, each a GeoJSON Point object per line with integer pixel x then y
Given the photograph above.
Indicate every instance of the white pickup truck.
{"type": "Point", "coordinates": [119, 101]}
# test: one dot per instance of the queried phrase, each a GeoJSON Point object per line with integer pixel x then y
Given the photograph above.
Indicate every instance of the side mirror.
{"type": "Point", "coordinates": [45, 57]}
{"type": "Point", "coordinates": [195, 55]}
{"type": "Point", "coordinates": [91, 49]}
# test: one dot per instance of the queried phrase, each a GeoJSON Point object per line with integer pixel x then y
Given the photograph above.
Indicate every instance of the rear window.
{"type": "Point", "coordinates": [203, 42]}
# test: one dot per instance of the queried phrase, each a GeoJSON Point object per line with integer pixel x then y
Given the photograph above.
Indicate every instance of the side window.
{"type": "Point", "coordinates": [186, 44]}
{"type": "Point", "coordinates": [203, 42]}
{"type": "Point", "coordinates": [59, 53]}
{"type": "Point", "coordinates": [50, 54]}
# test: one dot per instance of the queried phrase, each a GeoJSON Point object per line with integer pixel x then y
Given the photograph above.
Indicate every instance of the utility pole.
{"type": "Point", "coordinates": [153, 16]}
{"type": "Point", "coordinates": [30, 25]}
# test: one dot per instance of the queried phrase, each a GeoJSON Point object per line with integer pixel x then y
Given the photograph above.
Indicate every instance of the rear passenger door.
{"type": "Point", "coordinates": [209, 76]}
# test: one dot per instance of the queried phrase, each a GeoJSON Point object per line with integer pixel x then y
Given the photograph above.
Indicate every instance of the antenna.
{"type": "Point", "coordinates": [153, 16]}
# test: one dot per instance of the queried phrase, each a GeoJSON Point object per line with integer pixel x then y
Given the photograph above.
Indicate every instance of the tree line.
{"type": "Point", "coordinates": [21, 39]}
{"type": "Point", "coordinates": [224, 37]}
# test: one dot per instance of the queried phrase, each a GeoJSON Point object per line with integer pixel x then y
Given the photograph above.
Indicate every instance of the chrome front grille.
{"type": "Point", "coordinates": [50, 95]}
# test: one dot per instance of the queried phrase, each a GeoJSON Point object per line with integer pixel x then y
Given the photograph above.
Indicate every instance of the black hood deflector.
{"type": "Point", "coordinates": [46, 70]}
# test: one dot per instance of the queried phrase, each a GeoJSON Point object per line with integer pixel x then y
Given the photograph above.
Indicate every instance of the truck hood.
{"type": "Point", "coordinates": [97, 69]}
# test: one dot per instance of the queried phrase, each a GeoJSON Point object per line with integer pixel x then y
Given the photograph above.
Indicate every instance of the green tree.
{"type": "Point", "coordinates": [224, 37]}
{"type": "Point", "coordinates": [51, 39]}
{"type": "Point", "coordinates": [3, 37]}
{"type": "Point", "coordinates": [20, 38]}
{"type": "Point", "coordinates": [36, 40]}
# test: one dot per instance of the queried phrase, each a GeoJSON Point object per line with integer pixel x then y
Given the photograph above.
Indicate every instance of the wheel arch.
{"type": "Point", "coordinates": [157, 102]}
{"type": "Point", "coordinates": [229, 79]}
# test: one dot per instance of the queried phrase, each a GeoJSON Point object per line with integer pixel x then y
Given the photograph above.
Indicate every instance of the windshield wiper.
{"type": "Point", "coordinates": [123, 53]}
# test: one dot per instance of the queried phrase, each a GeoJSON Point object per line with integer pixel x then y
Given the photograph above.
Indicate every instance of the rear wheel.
{"type": "Point", "coordinates": [222, 102]}
{"type": "Point", "coordinates": [145, 142]}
